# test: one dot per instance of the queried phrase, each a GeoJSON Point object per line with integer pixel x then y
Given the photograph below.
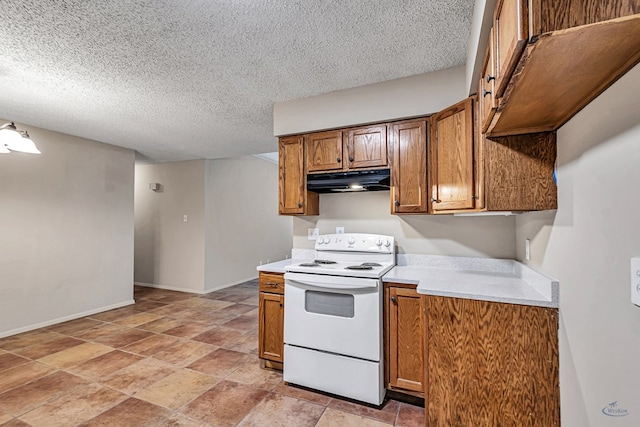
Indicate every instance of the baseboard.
{"type": "Point", "coordinates": [192, 291]}
{"type": "Point", "coordinates": [64, 319]}
{"type": "Point", "coordinates": [228, 285]}
{"type": "Point", "coordinates": [169, 288]}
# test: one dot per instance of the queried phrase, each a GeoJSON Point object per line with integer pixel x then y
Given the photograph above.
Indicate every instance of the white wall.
{"type": "Point", "coordinates": [419, 234]}
{"type": "Point", "coordinates": [170, 253]}
{"type": "Point", "coordinates": [66, 231]}
{"type": "Point", "coordinates": [243, 228]}
{"type": "Point", "coordinates": [233, 223]}
{"type": "Point", "coordinates": [587, 245]}
{"type": "Point", "coordinates": [395, 99]}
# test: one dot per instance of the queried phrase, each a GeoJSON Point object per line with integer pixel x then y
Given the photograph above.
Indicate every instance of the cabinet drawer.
{"type": "Point", "coordinates": [271, 282]}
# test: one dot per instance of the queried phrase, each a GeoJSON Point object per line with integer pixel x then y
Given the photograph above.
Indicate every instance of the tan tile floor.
{"type": "Point", "coordinates": [171, 359]}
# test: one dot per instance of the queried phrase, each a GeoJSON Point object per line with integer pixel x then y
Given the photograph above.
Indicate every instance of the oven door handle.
{"type": "Point", "coordinates": [327, 285]}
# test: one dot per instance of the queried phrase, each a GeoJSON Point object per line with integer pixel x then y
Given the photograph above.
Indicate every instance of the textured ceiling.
{"type": "Point", "coordinates": [188, 79]}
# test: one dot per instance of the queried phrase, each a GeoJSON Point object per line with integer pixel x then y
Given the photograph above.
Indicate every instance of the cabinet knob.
{"type": "Point", "coordinates": [299, 205]}
{"type": "Point", "coordinates": [280, 304]}
{"type": "Point", "coordinates": [338, 160]}
{"type": "Point", "coordinates": [434, 200]}
{"type": "Point", "coordinates": [351, 159]}
{"type": "Point", "coordinates": [394, 299]}
{"type": "Point", "coordinates": [474, 197]}
{"type": "Point", "coordinates": [489, 78]}
{"type": "Point", "coordinates": [485, 92]}
{"type": "Point", "coordinates": [397, 203]}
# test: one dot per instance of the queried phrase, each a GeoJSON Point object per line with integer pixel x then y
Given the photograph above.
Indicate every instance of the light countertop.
{"type": "Point", "coordinates": [276, 267]}
{"type": "Point", "coordinates": [485, 279]}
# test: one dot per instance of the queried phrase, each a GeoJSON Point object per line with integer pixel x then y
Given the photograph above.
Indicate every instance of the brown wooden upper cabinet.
{"type": "Point", "coordinates": [553, 57]}
{"type": "Point", "coordinates": [511, 32]}
{"type": "Point", "coordinates": [486, 86]}
{"type": "Point", "coordinates": [356, 148]}
{"type": "Point", "coordinates": [409, 167]}
{"type": "Point", "coordinates": [324, 151]}
{"type": "Point", "coordinates": [451, 159]}
{"type": "Point", "coordinates": [470, 173]}
{"type": "Point", "coordinates": [366, 147]}
{"type": "Point", "coordinates": [294, 199]}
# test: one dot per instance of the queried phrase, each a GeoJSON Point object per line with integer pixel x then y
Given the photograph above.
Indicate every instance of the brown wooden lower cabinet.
{"type": "Point", "coordinates": [271, 319]}
{"type": "Point", "coordinates": [405, 342]}
{"type": "Point", "coordinates": [491, 364]}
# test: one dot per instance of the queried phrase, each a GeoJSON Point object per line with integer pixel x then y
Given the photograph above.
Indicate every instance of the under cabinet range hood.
{"type": "Point", "coordinates": [342, 182]}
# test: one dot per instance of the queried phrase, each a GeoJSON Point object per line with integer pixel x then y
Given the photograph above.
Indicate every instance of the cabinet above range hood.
{"type": "Point", "coordinates": [343, 182]}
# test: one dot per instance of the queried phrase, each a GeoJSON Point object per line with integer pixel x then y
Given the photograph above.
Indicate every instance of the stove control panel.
{"type": "Point", "coordinates": [356, 242]}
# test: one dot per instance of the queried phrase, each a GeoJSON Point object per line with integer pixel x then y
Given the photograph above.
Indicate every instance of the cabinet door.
{"type": "Point", "coordinates": [324, 151]}
{"type": "Point", "coordinates": [292, 178]}
{"type": "Point", "coordinates": [409, 167]}
{"type": "Point", "coordinates": [486, 86]}
{"type": "Point", "coordinates": [511, 27]}
{"type": "Point", "coordinates": [271, 327]}
{"type": "Point", "coordinates": [491, 364]}
{"type": "Point", "coordinates": [406, 340]}
{"type": "Point", "coordinates": [294, 199]}
{"type": "Point", "coordinates": [451, 158]}
{"type": "Point", "coordinates": [366, 147]}
{"type": "Point", "coordinates": [479, 164]}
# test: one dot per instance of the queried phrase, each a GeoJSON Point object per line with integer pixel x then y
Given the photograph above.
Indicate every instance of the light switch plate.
{"type": "Point", "coordinates": [339, 230]}
{"type": "Point", "coordinates": [313, 233]}
{"type": "Point", "coordinates": [635, 281]}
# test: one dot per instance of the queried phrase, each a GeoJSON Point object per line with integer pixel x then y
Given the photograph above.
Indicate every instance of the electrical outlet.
{"type": "Point", "coordinates": [313, 233]}
{"type": "Point", "coordinates": [339, 230]}
{"type": "Point", "coordinates": [527, 249]}
{"type": "Point", "coordinates": [185, 218]}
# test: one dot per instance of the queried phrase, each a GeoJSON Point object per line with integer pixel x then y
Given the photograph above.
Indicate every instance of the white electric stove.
{"type": "Point", "coordinates": [333, 316]}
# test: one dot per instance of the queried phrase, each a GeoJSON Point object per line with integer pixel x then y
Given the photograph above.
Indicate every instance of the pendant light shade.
{"type": "Point", "coordinates": [12, 139]}
{"type": "Point", "coordinates": [23, 144]}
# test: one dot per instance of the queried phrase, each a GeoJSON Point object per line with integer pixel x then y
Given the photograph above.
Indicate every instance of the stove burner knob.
{"type": "Point", "coordinates": [351, 240]}
{"type": "Point", "coordinates": [322, 241]}
{"type": "Point", "coordinates": [379, 242]}
{"type": "Point", "coordinates": [387, 243]}
{"type": "Point", "coordinates": [327, 240]}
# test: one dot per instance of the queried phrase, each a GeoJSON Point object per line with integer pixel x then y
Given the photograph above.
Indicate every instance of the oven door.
{"type": "Point", "coordinates": [341, 315]}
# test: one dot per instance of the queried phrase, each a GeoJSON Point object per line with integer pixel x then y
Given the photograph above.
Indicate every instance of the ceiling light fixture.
{"type": "Point", "coordinates": [12, 139]}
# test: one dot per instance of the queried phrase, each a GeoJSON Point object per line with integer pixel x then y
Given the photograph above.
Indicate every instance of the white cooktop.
{"type": "Point", "coordinates": [340, 269]}
{"type": "Point", "coordinates": [337, 254]}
